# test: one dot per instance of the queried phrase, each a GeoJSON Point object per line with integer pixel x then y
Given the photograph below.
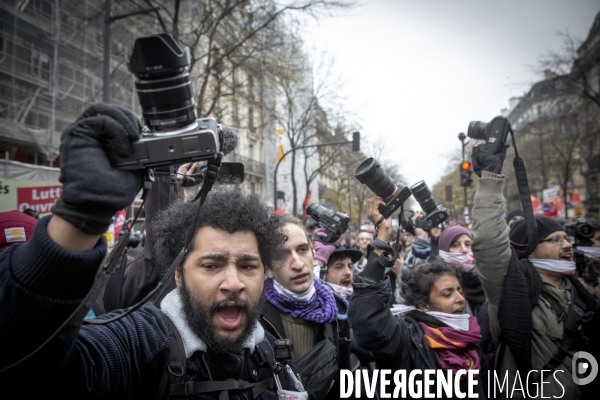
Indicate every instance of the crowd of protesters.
{"type": "Point", "coordinates": [261, 306]}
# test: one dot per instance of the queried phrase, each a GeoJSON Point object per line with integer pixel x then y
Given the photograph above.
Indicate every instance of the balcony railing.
{"type": "Point", "coordinates": [250, 165]}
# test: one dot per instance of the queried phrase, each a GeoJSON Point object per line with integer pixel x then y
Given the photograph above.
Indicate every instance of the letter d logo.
{"type": "Point", "coordinates": [584, 368]}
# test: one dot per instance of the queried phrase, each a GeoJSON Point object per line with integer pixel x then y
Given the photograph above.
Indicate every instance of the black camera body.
{"type": "Point", "coordinates": [495, 133]}
{"type": "Point", "coordinates": [370, 173]}
{"type": "Point", "coordinates": [434, 214]}
{"type": "Point", "coordinates": [230, 173]}
{"type": "Point", "coordinates": [334, 224]}
{"type": "Point", "coordinates": [582, 231]}
{"type": "Point", "coordinates": [172, 134]}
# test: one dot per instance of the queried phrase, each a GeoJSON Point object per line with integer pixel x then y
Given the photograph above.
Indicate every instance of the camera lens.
{"type": "Point", "coordinates": [315, 211]}
{"type": "Point", "coordinates": [585, 229]}
{"type": "Point", "coordinates": [371, 173]}
{"type": "Point", "coordinates": [423, 196]}
{"type": "Point", "coordinates": [164, 87]}
{"type": "Point", "coordinates": [477, 130]}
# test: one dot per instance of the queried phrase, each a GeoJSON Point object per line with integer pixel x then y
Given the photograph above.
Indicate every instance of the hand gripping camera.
{"type": "Point", "coordinates": [394, 194]}
{"type": "Point", "coordinates": [173, 134]}
{"type": "Point", "coordinates": [495, 133]}
{"type": "Point", "coordinates": [434, 214]}
{"type": "Point", "coordinates": [334, 224]}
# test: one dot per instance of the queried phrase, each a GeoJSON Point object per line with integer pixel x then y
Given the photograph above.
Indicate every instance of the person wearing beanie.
{"type": "Point", "coordinates": [530, 289]}
{"type": "Point", "coordinates": [513, 216]}
{"type": "Point", "coordinates": [15, 227]}
{"type": "Point", "coordinates": [455, 249]}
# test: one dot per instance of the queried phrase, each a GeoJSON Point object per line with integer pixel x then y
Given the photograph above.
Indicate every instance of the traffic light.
{"type": "Point", "coordinates": [465, 174]}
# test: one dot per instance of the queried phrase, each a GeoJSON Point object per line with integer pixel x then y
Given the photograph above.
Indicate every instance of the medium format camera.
{"type": "Point", "coordinates": [334, 224]}
{"type": "Point", "coordinates": [394, 194]}
{"type": "Point", "coordinates": [172, 134]}
{"type": "Point", "coordinates": [434, 214]}
{"type": "Point", "coordinates": [495, 133]}
{"type": "Point", "coordinates": [582, 231]}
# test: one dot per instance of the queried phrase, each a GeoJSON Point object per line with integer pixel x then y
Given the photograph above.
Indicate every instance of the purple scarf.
{"type": "Point", "coordinates": [320, 308]}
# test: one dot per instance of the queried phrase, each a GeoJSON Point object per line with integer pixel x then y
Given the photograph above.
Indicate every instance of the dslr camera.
{"type": "Point", "coordinates": [434, 214]}
{"type": "Point", "coordinates": [582, 231]}
{"type": "Point", "coordinates": [370, 173]}
{"type": "Point", "coordinates": [495, 133]}
{"type": "Point", "coordinates": [334, 224]}
{"type": "Point", "coordinates": [172, 133]}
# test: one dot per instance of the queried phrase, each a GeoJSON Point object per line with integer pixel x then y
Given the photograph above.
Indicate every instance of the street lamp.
{"type": "Point", "coordinates": [355, 147]}
{"type": "Point", "coordinates": [107, 45]}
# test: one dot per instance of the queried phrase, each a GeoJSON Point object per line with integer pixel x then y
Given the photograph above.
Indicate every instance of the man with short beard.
{"type": "Point", "coordinates": [219, 287]}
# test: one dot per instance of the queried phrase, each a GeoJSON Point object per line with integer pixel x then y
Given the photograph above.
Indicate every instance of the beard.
{"type": "Point", "coordinates": [199, 317]}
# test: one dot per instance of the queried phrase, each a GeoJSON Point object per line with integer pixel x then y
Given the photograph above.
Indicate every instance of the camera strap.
{"type": "Point", "coordinates": [525, 196]}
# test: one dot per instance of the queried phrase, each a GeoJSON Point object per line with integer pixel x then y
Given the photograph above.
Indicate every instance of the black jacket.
{"type": "Point", "coordinates": [124, 359]}
{"type": "Point", "coordinates": [271, 322]}
{"type": "Point", "coordinates": [396, 343]}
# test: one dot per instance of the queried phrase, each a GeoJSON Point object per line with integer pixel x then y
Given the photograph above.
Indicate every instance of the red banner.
{"type": "Point", "coordinates": [40, 198]}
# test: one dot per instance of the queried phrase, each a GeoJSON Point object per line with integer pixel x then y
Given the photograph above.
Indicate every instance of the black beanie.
{"type": "Point", "coordinates": [518, 234]}
{"type": "Point", "coordinates": [514, 213]}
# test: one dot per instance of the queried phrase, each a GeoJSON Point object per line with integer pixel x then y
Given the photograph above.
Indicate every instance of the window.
{"type": "Point", "coordinates": [40, 64]}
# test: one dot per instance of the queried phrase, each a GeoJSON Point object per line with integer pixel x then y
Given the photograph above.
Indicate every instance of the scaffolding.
{"type": "Point", "coordinates": [51, 58]}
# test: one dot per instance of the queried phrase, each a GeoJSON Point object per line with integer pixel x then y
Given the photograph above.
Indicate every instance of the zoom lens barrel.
{"type": "Point", "coordinates": [371, 173]}
{"type": "Point", "coordinates": [164, 86]}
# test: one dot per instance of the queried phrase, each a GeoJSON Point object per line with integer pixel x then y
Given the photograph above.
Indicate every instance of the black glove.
{"type": "Point", "coordinates": [491, 162]}
{"type": "Point", "coordinates": [93, 189]}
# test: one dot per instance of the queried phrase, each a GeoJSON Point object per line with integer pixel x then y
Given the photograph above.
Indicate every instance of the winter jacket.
{"type": "Point", "coordinates": [492, 253]}
{"type": "Point", "coordinates": [396, 342]}
{"type": "Point", "coordinates": [41, 284]}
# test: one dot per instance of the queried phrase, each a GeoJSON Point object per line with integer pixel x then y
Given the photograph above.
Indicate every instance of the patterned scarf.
{"type": "Point", "coordinates": [320, 308]}
{"type": "Point", "coordinates": [452, 346]}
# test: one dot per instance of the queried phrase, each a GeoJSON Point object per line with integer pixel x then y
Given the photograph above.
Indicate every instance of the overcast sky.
{"type": "Point", "coordinates": [416, 72]}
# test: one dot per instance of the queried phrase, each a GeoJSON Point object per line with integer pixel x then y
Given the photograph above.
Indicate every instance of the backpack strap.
{"type": "Point", "coordinates": [176, 364]}
{"type": "Point", "coordinates": [113, 293]}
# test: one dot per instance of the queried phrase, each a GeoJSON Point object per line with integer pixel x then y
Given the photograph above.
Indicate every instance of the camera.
{"type": "Point", "coordinates": [495, 133]}
{"type": "Point", "coordinates": [394, 194]}
{"type": "Point", "coordinates": [434, 214]}
{"type": "Point", "coordinates": [230, 173]}
{"type": "Point", "coordinates": [172, 134]}
{"type": "Point", "coordinates": [582, 231]}
{"type": "Point", "coordinates": [334, 224]}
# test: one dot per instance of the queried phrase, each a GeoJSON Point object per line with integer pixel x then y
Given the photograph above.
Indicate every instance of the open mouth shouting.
{"type": "Point", "coordinates": [230, 315]}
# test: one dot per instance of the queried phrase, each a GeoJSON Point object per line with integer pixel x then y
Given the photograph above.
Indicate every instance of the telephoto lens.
{"type": "Point", "coordinates": [315, 211]}
{"type": "Point", "coordinates": [423, 196]}
{"type": "Point", "coordinates": [164, 87]}
{"type": "Point", "coordinates": [371, 173]}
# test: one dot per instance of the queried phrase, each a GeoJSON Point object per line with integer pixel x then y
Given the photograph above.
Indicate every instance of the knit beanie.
{"type": "Point", "coordinates": [514, 213]}
{"type": "Point", "coordinates": [15, 227]}
{"type": "Point", "coordinates": [518, 234]}
{"type": "Point", "coordinates": [451, 233]}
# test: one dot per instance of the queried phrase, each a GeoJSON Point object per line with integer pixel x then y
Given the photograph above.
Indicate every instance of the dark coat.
{"type": "Point", "coordinates": [396, 342]}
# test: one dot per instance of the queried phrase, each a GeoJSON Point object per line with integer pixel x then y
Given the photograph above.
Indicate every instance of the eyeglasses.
{"type": "Point", "coordinates": [558, 240]}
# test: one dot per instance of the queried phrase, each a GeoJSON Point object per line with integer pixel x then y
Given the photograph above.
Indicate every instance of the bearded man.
{"type": "Point", "coordinates": [214, 308]}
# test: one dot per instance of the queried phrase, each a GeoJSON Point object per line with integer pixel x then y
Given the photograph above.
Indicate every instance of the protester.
{"type": "Point", "coordinates": [531, 290]}
{"type": "Point", "coordinates": [363, 240]}
{"type": "Point", "coordinates": [514, 216]}
{"type": "Point", "coordinates": [15, 227]}
{"type": "Point", "coordinates": [430, 331]}
{"type": "Point", "coordinates": [434, 237]}
{"type": "Point", "coordinates": [455, 248]}
{"type": "Point", "coordinates": [305, 310]}
{"type": "Point", "coordinates": [213, 309]}
{"type": "Point", "coordinates": [339, 276]}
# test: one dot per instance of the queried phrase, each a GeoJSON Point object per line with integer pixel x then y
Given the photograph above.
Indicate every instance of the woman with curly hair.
{"type": "Point", "coordinates": [430, 331]}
